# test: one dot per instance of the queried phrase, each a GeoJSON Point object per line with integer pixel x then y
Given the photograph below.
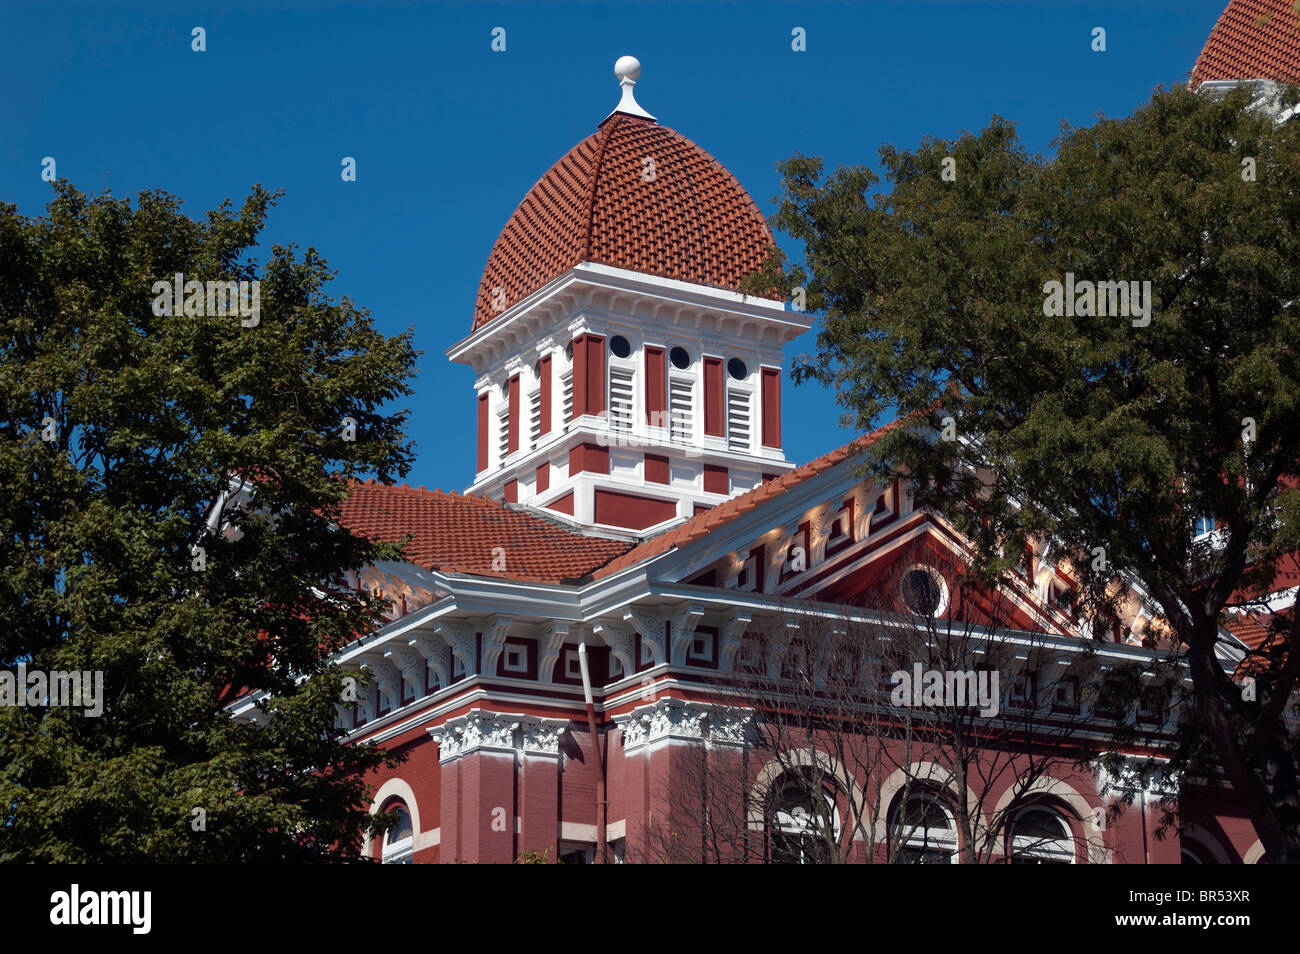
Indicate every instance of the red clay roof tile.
{"type": "Point", "coordinates": [691, 220]}
{"type": "Point", "coordinates": [457, 533]}
{"type": "Point", "coordinates": [1253, 39]}
{"type": "Point", "coordinates": [702, 524]}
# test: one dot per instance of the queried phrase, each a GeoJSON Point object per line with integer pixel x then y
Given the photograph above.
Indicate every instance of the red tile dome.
{"type": "Point", "coordinates": [1254, 39]}
{"type": "Point", "coordinates": [633, 195]}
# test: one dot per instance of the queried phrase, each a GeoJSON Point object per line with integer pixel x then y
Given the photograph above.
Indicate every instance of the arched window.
{"type": "Point", "coordinates": [399, 840]}
{"type": "Point", "coordinates": [803, 822]}
{"type": "Point", "coordinates": [926, 832]}
{"type": "Point", "coordinates": [1039, 836]}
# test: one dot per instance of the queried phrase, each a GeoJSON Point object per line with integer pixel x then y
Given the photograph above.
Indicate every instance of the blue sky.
{"type": "Point", "coordinates": [448, 135]}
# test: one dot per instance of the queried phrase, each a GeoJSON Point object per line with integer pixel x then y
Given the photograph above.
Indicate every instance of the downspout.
{"type": "Point", "coordinates": [601, 846]}
{"type": "Point", "coordinates": [1146, 851]}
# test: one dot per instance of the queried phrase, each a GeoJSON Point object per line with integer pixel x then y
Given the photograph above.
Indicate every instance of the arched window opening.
{"type": "Point", "coordinates": [399, 840]}
{"type": "Point", "coordinates": [926, 832]}
{"type": "Point", "coordinates": [1040, 836]}
{"type": "Point", "coordinates": [803, 822]}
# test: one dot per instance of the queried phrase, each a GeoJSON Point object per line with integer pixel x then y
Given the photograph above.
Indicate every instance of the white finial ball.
{"type": "Point", "coordinates": [627, 67]}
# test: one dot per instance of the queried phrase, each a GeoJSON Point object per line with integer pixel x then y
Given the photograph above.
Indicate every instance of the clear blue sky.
{"type": "Point", "coordinates": [448, 135]}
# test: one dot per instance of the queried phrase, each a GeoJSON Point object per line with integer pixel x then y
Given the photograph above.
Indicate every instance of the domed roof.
{"type": "Point", "coordinates": [632, 195]}
{"type": "Point", "coordinates": [1254, 39]}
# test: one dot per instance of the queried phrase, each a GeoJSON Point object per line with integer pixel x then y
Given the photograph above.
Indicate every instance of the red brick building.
{"type": "Point", "coordinates": [633, 521]}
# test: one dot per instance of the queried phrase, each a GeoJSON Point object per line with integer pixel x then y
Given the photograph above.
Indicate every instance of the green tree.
{"type": "Point", "coordinates": [1110, 434]}
{"type": "Point", "coordinates": [122, 431]}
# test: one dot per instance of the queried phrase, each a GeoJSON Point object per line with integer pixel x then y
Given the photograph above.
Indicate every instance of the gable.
{"type": "Point", "coordinates": [839, 539]}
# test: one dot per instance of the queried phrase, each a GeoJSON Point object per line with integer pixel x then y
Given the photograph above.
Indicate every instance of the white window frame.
{"type": "Point", "coordinates": [622, 370]}
{"type": "Point", "coordinates": [682, 426]}
{"type": "Point", "coordinates": [503, 430]}
{"type": "Point", "coordinates": [566, 398]}
{"type": "Point", "coordinates": [535, 417]}
{"type": "Point", "coordinates": [916, 838]}
{"type": "Point", "coordinates": [801, 824]}
{"type": "Point", "coordinates": [735, 393]}
{"type": "Point", "coordinates": [399, 852]}
{"type": "Point", "coordinates": [1040, 850]}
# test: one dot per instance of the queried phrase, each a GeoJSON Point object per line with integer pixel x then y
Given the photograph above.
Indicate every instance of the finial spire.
{"type": "Point", "coordinates": [628, 71]}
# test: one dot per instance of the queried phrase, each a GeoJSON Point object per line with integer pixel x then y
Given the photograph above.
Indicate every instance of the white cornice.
{"type": "Point", "coordinates": [587, 278]}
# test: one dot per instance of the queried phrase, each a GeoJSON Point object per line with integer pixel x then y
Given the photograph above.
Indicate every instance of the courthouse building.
{"type": "Point", "coordinates": [633, 516]}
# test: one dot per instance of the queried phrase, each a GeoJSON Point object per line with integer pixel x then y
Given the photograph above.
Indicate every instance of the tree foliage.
{"type": "Point", "coordinates": [1105, 434]}
{"type": "Point", "coordinates": [120, 431]}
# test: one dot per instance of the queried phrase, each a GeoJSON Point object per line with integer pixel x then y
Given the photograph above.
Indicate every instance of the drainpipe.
{"type": "Point", "coordinates": [1146, 851]}
{"type": "Point", "coordinates": [601, 846]}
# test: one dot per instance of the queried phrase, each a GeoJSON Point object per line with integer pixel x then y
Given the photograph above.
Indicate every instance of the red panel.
{"type": "Point", "coordinates": [656, 469]}
{"type": "Point", "coordinates": [701, 508]}
{"type": "Point", "coordinates": [656, 389]}
{"type": "Point", "coordinates": [482, 432]}
{"type": "Point", "coordinates": [632, 512]}
{"type": "Point", "coordinates": [591, 458]}
{"type": "Point", "coordinates": [543, 477]}
{"type": "Point", "coordinates": [546, 394]}
{"type": "Point", "coordinates": [771, 407]}
{"type": "Point", "coordinates": [512, 491]}
{"type": "Point", "coordinates": [563, 504]}
{"type": "Point", "coordinates": [579, 377]}
{"type": "Point", "coordinates": [512, 417]}
{"type": "Point", "coordinates": [714, 399]}
{"type": "Point", "coordinates": [588, 375]}
{"type": "Point", "coordinates": [716, 480]}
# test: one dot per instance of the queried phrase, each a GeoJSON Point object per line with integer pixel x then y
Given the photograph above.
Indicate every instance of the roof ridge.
{"type": "Point", "coordinates": [603, 135]}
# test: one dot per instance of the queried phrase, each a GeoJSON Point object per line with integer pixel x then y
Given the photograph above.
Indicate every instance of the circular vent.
{"type": "Point", "coordinates": [924, 591]}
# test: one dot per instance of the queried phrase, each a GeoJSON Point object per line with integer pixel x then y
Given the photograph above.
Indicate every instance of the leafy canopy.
{"type": "Point", "coordinates": [1111, 438]}
{"type": "Point", "coordinates": [151, 418]}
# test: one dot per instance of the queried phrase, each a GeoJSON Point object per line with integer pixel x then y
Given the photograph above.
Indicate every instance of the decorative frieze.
{"type": "Point", "coordinates": [679, 720]}
{"type": "Point", "coordinates": [480, 730]}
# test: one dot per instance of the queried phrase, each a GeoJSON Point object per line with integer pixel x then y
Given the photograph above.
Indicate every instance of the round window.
{"type": "Point", "coordinates": [680, 359]}
{"type": "Point", "coordinates": [736, 368]}
{"type": "Point", "coordinates": [568, 350]}
{"type": "Point", "coordinates": [619, 346]}
{"type": "Point", "coordinates": [924, 591]}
